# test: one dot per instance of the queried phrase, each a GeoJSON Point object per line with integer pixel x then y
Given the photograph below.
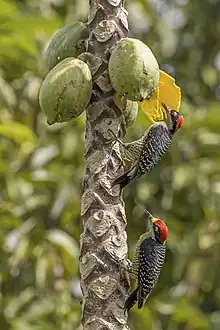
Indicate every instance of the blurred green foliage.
{"type": "Point", "coordinates": [41, 169]}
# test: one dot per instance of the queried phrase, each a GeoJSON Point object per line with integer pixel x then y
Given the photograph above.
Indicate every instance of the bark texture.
{"type": "Point", "coordinates": [104, 282]}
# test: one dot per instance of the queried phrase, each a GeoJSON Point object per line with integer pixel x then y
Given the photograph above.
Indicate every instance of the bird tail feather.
{"type": "Point", "coordinates": [125, 178]}
{"type": "Point", "coordinates": [132, 299]}
{"type": "Point", "coordinates": [141, 298]}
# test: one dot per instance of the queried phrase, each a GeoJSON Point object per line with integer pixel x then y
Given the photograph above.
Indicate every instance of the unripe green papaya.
{"type": "Point", "coordinates": [66, 42]}
{"type": "Point", "coordinates": [129, 109]}
{"type": "Point", "coordinates": [133, 69]}
{"type": "Point", "coordinates": [66, 91]}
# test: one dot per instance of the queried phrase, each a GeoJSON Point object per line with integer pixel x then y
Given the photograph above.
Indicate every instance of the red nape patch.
{"type": "Point", "coordinates": [163, 229]}
{"type": "Point", "coordinates": [180, 122]}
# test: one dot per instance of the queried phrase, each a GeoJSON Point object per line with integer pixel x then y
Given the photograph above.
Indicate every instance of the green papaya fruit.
{"type": "Point", "coordinates": [133, 69]}
{"type": "Point", "coordinates": [66, 42]}
{"type": "Point", "coordinates": [66, 91]}
{"type": "Point", "coordinates": [129, 109]}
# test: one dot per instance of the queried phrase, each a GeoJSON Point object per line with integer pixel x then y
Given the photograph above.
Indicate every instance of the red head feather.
{"type": "Point", "coordinates": [176, 118]}
{"type": "Point", "coordinates": [180, 122]}
{"type": "Point", "coordinates": [163, 230]}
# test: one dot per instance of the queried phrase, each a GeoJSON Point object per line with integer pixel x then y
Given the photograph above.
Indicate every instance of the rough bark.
{"type": "Point", "coordinates": [104, 282]}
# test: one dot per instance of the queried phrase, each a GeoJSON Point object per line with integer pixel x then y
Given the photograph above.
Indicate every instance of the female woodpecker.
{"type": "Point", "coordinates": [147, 151]}
{"type": "Point", "coordinates": [148, 261]}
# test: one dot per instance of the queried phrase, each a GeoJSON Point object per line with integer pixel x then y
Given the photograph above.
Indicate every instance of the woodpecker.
{"type": "Point", "coordinates": [148, 261]}
{"type": "Point", "coordinates": [144, 153]}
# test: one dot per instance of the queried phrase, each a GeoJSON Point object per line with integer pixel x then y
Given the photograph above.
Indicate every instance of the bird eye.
{"type": "Point", "coordinates": [157, 229]}
{"type": "Point", "coordinates": [176, 124]}
{"type": "Point", "coordinates": [175, 113]}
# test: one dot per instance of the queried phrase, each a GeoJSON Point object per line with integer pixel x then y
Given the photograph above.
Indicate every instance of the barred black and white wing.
{"type": "Point", "coordinates": [151, 259]}
{"type": "Point", "coordinates": [154, 146]}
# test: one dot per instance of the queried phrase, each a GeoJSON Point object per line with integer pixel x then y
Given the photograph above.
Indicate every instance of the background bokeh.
{"type": "Point", "coordinates": [41, 169]}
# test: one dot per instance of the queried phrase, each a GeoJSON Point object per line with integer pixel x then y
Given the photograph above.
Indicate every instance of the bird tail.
{"type": "Point", "coordinates": [125, 178]}
{"type": "Point", "coordinates": [141, 298]}
{"type": "Point", "coordinates": [132, 299]}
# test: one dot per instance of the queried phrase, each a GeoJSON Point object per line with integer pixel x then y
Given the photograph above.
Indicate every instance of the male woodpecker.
{"type": "Point", "coordinates": [147, 151]}
{"type": "Point", "coordinates": [148, 261]}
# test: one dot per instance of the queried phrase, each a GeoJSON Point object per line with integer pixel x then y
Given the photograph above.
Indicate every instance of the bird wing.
{"type": "Point", "coordinates": [151, 259]}
{"type": "Point", "coordinates": [155, 146]}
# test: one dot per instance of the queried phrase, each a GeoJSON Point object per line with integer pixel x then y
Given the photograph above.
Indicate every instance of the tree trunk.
{"type": "Point", "coordinates": [104, 282]}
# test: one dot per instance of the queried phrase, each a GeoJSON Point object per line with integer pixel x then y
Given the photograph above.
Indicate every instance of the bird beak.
{"type": "Point", "coordinates": [148, 214]}
{"type": "Point", "coordinates": [166, 108]}
{"type": "Point", "coordinates": [149, 223]}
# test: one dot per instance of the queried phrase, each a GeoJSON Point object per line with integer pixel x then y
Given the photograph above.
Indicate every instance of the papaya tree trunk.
{"type": "Point", "coordinates": [104, 282]}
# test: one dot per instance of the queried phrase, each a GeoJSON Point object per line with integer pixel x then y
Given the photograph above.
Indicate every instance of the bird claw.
{"type": "Point", "coordinates": [125, 264]}
{"type": "Point", "coordinates": [116, 139]}
{"type": "Point", "coordinates": [129, 265]}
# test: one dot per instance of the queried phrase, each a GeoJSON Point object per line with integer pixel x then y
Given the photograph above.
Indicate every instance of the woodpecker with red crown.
{"type": "Point", "coordinates": [142, 155]}
{"type": "Point", "coordinates": [148, 261]}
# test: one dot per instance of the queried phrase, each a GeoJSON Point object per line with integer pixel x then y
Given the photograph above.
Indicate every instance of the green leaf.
{"type": "Point", "coordinates": [7, 94]}
{"type": "Point", "coordinates": [63, 240]}
{"type": "Point", "coordinates": [186, 312]}
{"type": "Point", "coordinates": [39, 309]}
{"type": "Point", "coordinates": [17, 132]}
{"type": "Point", "coordinates": [36, 25]}
{"type": "Point", "coordinates": [41, 271]}
{"type": "Point", "coordinates": [7, 9]}
{"type": "Point", "coordinates": [18, 302]}
{"type": "Point", "coordinates": [4, 167]}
